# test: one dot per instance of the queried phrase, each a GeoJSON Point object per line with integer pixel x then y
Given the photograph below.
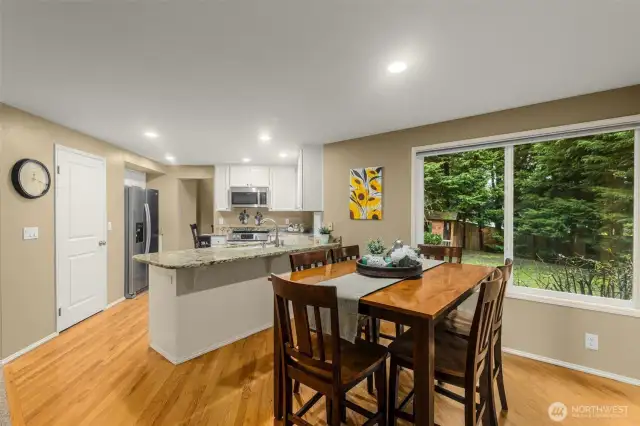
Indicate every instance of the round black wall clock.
{"type": "Point", "coordinates": [30, 178]}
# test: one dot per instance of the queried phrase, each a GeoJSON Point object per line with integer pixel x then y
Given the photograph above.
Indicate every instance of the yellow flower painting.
{"type": "Point", "coordinates": [365, 193]}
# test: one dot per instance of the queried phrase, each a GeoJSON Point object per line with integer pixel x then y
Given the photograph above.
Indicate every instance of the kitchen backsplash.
{"type": "Point", "coordinates": [231, 217]}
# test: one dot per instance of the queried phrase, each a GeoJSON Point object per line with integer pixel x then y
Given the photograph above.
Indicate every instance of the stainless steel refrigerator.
{"type": "Point", "coordinates": [141, 236]}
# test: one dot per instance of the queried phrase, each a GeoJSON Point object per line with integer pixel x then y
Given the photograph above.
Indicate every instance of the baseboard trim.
{"type": "Point", "coordinates": [114, 303]}
{"type": "Point", "coordinates": [164, 353]}
{"type": "Point", "coordinates": [218, 345]}
{"type": "Point", "coordinates": [582, 368]}
{"type": "Point", "coordinates": [225, 343]}
{"type": "Point", "coordinates": [28, 348]}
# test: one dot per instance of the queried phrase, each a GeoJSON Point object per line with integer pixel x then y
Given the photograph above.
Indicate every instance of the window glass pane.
{"type": "Point", "coordinates": [573, 215]}
{"type": "Point", "coordinates": [464, 204]}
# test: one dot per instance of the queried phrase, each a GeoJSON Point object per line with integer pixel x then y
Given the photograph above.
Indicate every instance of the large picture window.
{"type": "Point", "coordinates": [573, 215]}
{"type": "Point", "coordinates": [561, 206]}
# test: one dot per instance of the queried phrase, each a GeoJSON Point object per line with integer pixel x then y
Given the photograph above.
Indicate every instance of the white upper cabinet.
{"type": "Point", "coordinates": [283, 191]}
{"type": "Point", "coordinates": [249, 176]}
{"type": "Point", "coordinates": [221, 187]}
{"type": "Point", "coordinates": [312, 178]}
{"type": "Point", "coordinates": [290, 187]}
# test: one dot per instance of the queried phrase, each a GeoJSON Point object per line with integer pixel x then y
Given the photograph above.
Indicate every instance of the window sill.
{"type": "Point", "coordinates": [578, 304]}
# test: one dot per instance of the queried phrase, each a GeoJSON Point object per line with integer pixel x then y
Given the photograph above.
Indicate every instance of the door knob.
{"type": "Point", "coordinates": [102, 243]}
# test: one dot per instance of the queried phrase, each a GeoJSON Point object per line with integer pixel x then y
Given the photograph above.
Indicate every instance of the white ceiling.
{"type": "Point", "coordinates": [210, 76]}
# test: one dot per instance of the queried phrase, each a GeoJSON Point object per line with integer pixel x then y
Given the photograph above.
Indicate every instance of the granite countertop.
{"type": "Point", "coordinates": [196, 258]}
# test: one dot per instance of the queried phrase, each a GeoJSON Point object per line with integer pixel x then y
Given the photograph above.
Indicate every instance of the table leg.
{"type": "Point", "coordinates": [424, 364]}
{"type": "Point", "coordinates": [277, 369]}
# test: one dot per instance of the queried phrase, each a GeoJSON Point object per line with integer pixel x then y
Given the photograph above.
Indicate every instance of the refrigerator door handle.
{"type": "Point", "coordinates": [147, 216]}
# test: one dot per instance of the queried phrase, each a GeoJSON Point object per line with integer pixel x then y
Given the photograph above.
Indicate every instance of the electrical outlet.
{"type": "Point", "coordinates": [286, 221]}
{"type": "Point", "coordinates": [220, 221]}
{"type": "Point", "coordinates": [109, 226]}
{"type": "Point", "coordinates": [30, 233]}
{"type": "Point", "coordinates": [330, 226]}
{"type": "Point", "coordinates": [591, 341]}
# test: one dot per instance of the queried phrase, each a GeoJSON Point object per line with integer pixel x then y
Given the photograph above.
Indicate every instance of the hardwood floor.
{"type": "Point", "coordinates": [101, 372]}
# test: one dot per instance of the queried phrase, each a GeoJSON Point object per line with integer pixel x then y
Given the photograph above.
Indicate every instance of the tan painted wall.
{"type": "Point", "coordinates": [552, 331]}
{"type": "Point", "coordinates": [187, 200]}
{"type": "Point", "coordinates": [27, 267]}
{"type": "Point", "coordinates": [174, 225]}
{"type": "Point", "coordinates": [205, 205]}
{"type": "Point", "coordinates": [27, 281]}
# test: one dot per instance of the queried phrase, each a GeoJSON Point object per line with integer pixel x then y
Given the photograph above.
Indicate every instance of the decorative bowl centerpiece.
{"type": "Point", "coordinates": [401, 261]}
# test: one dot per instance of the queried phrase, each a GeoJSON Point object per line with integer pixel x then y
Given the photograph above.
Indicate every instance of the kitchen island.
{"type": "Point", "coordinates": [203, 299]}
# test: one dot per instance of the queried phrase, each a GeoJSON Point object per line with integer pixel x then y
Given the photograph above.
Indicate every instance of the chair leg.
{"type": "Point", "coordinates": [500, 379]}
{"type": "Point", "coordinates": [490, 417]}
{"type": "Point", "coordinates": [336, 410]}
{"type": "Point", "coordinates": [381, 389]}
{"type": "Point", "coordinates": [368, 337]}
{"type": "Point", "coordinates": [327, 404]}
{"type": "Point", "coordinates": [470, 405]}
{"type": "Point", "coordinates": [394, 376]}
{"type": "Point", "coordinates": [288, 402]}
{"type": "Point", "coordinates": [296, 387]}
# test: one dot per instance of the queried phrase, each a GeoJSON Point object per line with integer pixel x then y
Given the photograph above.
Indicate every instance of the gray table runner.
{"type": "Point", "coordinates": [350, 288]}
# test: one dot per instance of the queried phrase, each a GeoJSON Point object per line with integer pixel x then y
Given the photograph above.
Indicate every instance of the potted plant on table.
{"type": "Point", "coordinates": [325, 234]}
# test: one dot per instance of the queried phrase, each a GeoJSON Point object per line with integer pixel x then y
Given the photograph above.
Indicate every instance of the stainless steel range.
{"type": "Point", "coordinates": [247, 235]}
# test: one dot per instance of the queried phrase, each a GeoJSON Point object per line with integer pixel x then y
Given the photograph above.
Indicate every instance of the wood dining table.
{"type": "Point", "coordinates": [418, 303]}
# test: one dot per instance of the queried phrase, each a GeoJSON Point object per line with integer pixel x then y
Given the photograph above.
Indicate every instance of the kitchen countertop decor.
{"type": "Point", "coordinates": [195, 258]}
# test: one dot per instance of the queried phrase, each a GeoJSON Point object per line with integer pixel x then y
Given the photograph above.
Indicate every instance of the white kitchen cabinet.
{"type": "Point", "coordinates": [249, 176]}
{"type": "Point", "coordinates": [283, 190]}
{"type": "Point", "coordinates": [221, 187]}
{"type": "Point", "coordinates": [312, 188]}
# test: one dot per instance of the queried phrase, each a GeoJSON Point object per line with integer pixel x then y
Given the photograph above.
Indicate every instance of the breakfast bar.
{"type": "Point", "coordinates": [203, 299]}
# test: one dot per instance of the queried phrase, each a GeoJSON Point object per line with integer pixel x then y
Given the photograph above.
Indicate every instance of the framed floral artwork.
{"type": "Point", "coordinates": [365, 193]}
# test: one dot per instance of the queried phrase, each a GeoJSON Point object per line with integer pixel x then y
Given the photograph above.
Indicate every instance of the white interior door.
{"type": "Point", "coordinates": [81, 222]}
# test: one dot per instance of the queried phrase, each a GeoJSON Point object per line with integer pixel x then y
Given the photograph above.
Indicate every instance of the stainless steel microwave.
{"type": "Point", "coordinates": [249, 197]}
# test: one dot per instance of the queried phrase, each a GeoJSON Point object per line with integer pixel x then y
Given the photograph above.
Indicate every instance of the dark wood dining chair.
{"type": "Point", "coordinates": [198, 240]}
{"type": "Point", "coordinates": [446, 253]}
{"type": "Point", "coordinates": [324, 362]}
{"type": "Point", "coordinates": [307, 260]}
{"type": "Point", "coordinates": [464, 363]}
{"type": "Point", "coordinates": [367, 326]}
{"type": "Point", "coordinates": [314, 259]}
{"type": "Point", "coordinates": [459, 322]}
{"type": "Point", "coordinates": [342, 254]}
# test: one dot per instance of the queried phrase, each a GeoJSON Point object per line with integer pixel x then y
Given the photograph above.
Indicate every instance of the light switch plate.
{"type": "Point", "coordinates": [30, 233]}
{"type": "Point", "coordinates": [109, 227]}
{"type": "Point", "coordinates": [591, 341]}
{"type": "Point", "coordinates": [220, 221]}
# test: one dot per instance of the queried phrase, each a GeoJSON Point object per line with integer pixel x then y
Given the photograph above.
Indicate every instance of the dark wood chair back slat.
{"type": "Point", "coordinates": [194, 234]}
{"type": "Point", "coordinates": [482, 326]}
{"type": "Point", "coordinates": [307, 260]}
{"type": "Point", "coordinates": [299, 349]}
{"type": "Point", "coordinates": [506, 270]}
{"type": "Point", "coordinates": [342, 254]}
{"type": "Point", "coordinates": [441, 252]}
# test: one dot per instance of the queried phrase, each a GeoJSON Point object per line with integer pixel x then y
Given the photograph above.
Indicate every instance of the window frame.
{"type": "Point", "coordinates": [508, 141]}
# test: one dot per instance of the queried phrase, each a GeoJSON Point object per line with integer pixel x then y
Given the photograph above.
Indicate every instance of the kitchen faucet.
{"type": "Point", "coordinates": [275, 225]}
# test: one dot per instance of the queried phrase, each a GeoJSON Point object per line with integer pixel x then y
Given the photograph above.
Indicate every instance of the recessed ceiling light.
{"type": "Point", "coordinates": [151, 135]}
{"type": "Point", "coordinates": [283, 154]}
{"type": "Point", "coordinates": [397, 67]}
{"type": "Point", "coordinates": [265, 138]}
{"type": "Point", "coordinates": [246, 160]}
{"type": "Point", "coordinates": [169, 157]}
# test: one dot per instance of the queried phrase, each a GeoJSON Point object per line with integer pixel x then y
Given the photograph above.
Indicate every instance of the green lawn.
{"type": "Point", "coordinates": [526, 272]}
